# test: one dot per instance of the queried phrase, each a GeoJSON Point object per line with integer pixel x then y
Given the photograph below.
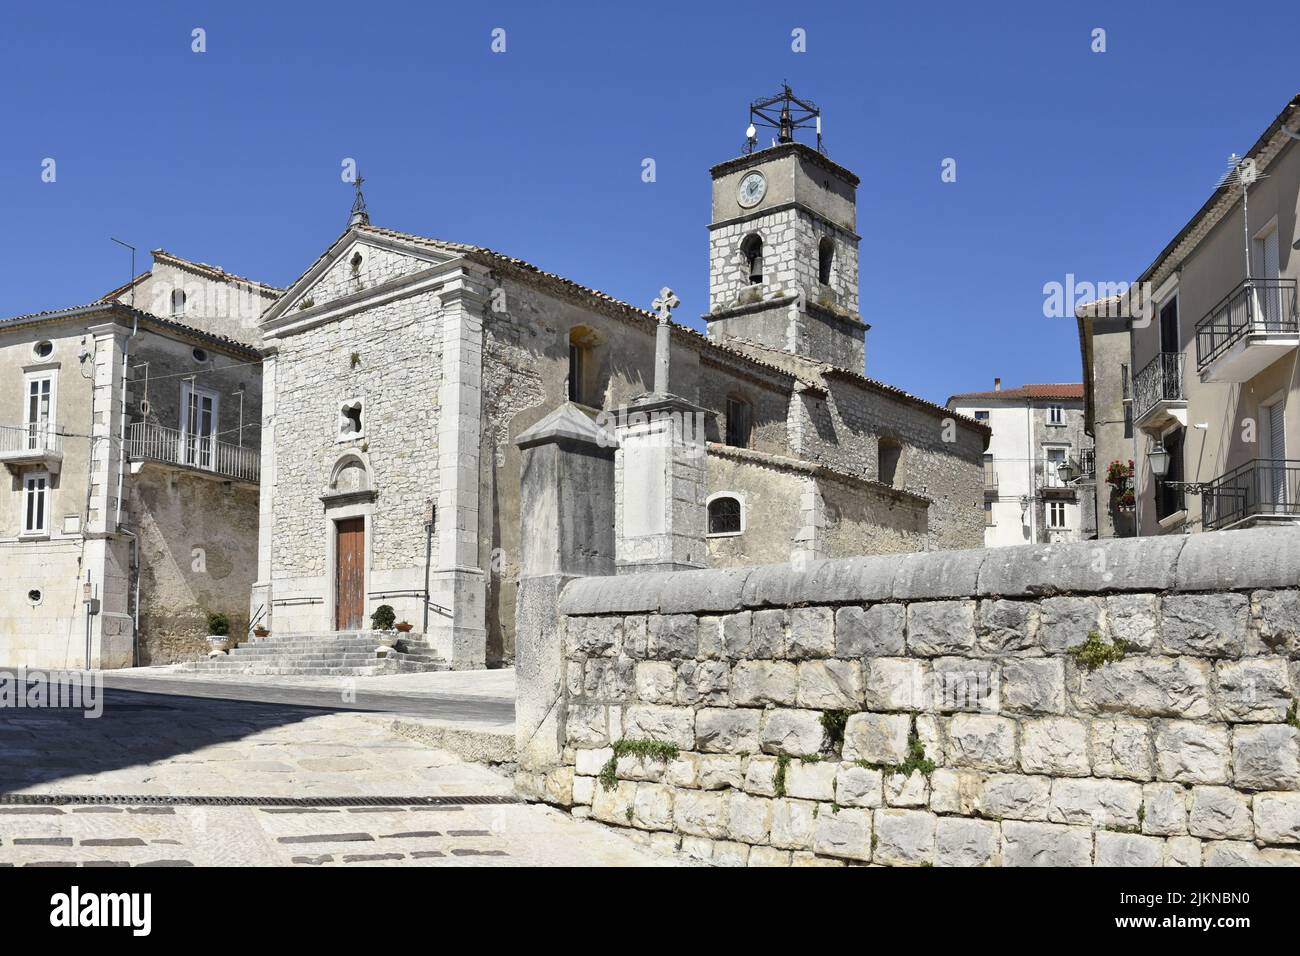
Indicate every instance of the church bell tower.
{"type": "Point", "coordinates": [783, 250]}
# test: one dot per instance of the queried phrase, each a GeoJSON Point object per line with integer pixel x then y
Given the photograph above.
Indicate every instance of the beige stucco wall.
{"type": "Point", "coordinates": [50, 631]}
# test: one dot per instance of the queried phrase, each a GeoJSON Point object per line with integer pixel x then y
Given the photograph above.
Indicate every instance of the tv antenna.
{"type": "Point", "coordinates": [1242, 173]}
{"type": "Point", "coordinates": [130, 279]}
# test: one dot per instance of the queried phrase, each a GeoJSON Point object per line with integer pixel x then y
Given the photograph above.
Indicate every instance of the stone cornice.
{"type": "Point", "coordinates": [780, 151]}
{"type": "Point", "coordinates": [783, 207]}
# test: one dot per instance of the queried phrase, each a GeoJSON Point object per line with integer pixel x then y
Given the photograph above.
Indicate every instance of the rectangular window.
{"type": "Point", "coordinates": [1056, 515]}
{"type": "Point", "coordinates": [982, 417]}
{"type": "Point", "coordinates": [38, 410]}
{"type": "Point", "coordinates": [1054, 458]}
{"type": "Point", "coordinates": [1055, 415]}
{"type": "Point", "coordinates": [988, 514]}
{"type": "Point", "coordinates": [198, 426]}
{"type": "Point", "coordinates": [576, 371]}
{"type": "Point", "coordinates": [740, 422]}
{"type": "Point", "coordinates": [1169, 499]}
{"type": "Point", "coordinates": [36, 503]}
{"type": "Point", "coordinates": [1169, 332]}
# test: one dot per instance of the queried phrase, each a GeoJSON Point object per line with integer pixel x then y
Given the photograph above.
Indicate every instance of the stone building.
{"type": "Point", "coordinates": [401, 370]}
{"type": "Point", "coordinates": [1213, 336]}
{"type": "Point", "coordinates": [1031, 495]}
{"type": "Point", "coordinates": [130, 444]}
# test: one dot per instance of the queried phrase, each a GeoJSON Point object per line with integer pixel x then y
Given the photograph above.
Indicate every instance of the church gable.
{"type": "Point", "coordinates": [362, 266]}
{"type": "Point", "coordinates": [355, 263]}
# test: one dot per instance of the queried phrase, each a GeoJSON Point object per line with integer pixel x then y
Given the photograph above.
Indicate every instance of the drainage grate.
{"type": "Point", "coordinates": [172, 800]}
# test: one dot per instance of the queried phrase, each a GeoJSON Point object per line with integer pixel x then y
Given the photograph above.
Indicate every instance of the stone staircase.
{"type": "Point", "coordinates": [328, 654]}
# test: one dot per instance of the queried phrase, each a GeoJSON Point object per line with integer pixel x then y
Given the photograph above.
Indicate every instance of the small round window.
{"type": "Point", "coordinates": [34, 596]}
{"type": "Point", "coordinates": [200, 355]}
{"type": "Point", "coordinates": [43, 349]}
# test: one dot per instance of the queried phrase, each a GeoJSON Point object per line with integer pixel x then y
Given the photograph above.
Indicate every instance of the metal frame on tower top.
{"type": "Point", "coordinates": [784, 113]}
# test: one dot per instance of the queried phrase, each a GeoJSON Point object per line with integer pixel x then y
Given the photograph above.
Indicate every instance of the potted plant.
{"type": "Point", "coordinates": [404, 627]}
{"type": "Point", "coordinates": [260, 631]}
{"type": "Point", "coordinates": [218, 632]}
{"type": "Point", "coordinates": [383, 618]}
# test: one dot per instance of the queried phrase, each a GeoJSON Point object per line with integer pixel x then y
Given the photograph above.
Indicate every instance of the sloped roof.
{"type": "Point", "coordinates": [121, 310]}
{"type": "Point", "coordinates": [490, 258]}
{"type": "Point", "coordinates": [213, 272]}
{"type": "Point", "coordinates": [1047, 391]}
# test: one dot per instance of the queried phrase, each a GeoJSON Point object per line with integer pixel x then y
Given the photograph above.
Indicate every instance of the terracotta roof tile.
{"type": "Point", "coordinates": [1070, 390]}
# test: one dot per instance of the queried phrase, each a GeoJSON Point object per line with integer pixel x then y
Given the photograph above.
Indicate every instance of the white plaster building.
{"type": "Point", "coordinates": [1036, 429]}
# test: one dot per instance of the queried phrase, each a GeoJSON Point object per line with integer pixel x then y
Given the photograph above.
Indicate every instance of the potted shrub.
{"type": "Point", "coordinates": [383, 618]}
{"type": "Point", "coordinates": [218, 632]}
{"type": "Point", "coordinates": [404, 627]}
{"type": "Point", "coordinates": [260, 631]}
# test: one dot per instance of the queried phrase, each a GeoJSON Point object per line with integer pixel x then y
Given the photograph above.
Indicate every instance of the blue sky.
{"type": "Point", "coordinates": [1068, 161]}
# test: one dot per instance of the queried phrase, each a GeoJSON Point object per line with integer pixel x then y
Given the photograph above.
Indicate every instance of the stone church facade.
{"type": "Point", "coordinates": [400, 370]}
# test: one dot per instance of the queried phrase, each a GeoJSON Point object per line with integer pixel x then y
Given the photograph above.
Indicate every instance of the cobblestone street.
{"type": "Point", "coordinates": [179, 746]}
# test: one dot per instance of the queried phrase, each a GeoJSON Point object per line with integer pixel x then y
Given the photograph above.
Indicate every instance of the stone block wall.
{"type": "Point", "coordinates": [1122, 702]}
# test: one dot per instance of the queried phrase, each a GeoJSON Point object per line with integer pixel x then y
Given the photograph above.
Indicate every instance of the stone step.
{"type": "Point", "coordinates": [349, 643]}
{"type": "Point", "coordinates": [307, 652]}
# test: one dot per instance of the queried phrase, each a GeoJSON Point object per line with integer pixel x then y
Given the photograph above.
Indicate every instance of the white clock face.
{"type": "Point", "coordinates": [752, 190]}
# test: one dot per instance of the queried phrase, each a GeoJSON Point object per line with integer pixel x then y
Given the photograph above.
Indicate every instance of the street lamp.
{"type": "Point", "coordinates": [1158, 458]}
{"type": "Point", "coordinates": [1068, 471]}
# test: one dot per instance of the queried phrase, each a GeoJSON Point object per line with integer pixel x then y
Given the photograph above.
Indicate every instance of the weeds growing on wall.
{"type": "Point", "coordinates": [778, 781]}
{"type": "Point", "coordinates": [1095, 651]}
{"type": "Point", "coordinates": [647, 749]}
{"type": "Point", "coordinates": [833, 722]}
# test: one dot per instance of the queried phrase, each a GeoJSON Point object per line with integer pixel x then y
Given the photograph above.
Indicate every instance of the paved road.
{"type": "Point", "coordinates": [450, 707]}
{"type": "Point", "coordinates": [484, 700]}
{"type": "Point", "coordinates": [170, 738]}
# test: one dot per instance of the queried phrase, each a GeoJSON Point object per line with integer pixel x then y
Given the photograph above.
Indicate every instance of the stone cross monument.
{"type": "Point", "coordinates": [659, 470]}
{"type": "Point", "coordinates": [663, 307]}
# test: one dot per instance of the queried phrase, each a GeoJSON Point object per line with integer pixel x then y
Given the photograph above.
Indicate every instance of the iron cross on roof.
{"type": "Point", "coordinates": [360, 215]}
{"type": "Point", "coordinates": [665, 304]}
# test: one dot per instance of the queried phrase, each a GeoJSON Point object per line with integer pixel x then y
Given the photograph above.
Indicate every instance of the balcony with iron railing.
{"type": "Point", "coordinates": [148, 442]}
{"type": "Point", "coordinates": [1159, 396]}
{"type": "Point", "coordinates": [990, 480]}
{"type": "Point", "coordinates": [37, 445]}
{"type": "Point", "coordinates": [1251, 328]}
{"type": "Point", "coordinates": [1258, 492]}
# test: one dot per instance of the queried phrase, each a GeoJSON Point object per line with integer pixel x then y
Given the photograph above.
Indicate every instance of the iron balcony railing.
{"type": "Point", "coordinates": [36, 437]}
{"type": "Point", "coordinates": [1257, 305]}
{"type": "Point", "coordinates": [990, 478]}
{"type": "Point", "coordinates": [193, 451]}
{"type": "Point", "coordinates": [1262, 487]}
{"type": "Point", "coordinates": [1161, 380]}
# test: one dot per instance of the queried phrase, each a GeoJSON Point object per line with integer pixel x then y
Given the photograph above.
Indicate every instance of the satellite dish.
{"type": "Point", "coordinates": [751, 133]}
{"type": "Point", "coordinates": [144, 406]}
